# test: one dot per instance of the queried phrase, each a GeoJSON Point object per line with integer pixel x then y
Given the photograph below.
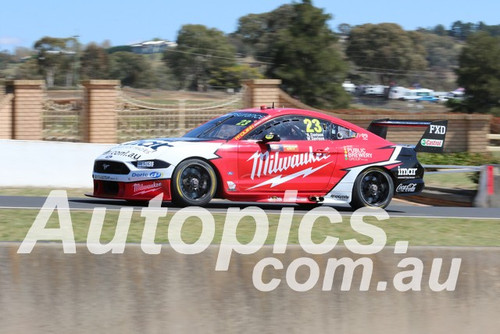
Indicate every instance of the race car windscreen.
{"type": "Point", "coordinates": [225, 127]}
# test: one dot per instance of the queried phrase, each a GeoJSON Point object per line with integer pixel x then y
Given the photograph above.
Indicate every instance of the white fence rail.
{"type": "Point", "coordinates": [442, 169]}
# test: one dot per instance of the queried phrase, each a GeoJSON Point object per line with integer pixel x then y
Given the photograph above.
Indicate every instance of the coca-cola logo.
{"type": "Point", "coordinates": [407, 188]}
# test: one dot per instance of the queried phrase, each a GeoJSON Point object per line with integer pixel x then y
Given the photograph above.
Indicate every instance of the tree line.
{"type": "Point", "coordinates": [293, 43]}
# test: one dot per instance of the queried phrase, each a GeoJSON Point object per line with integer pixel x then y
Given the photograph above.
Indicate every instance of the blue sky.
{"type": "Point", "coordinates": [125, 21]}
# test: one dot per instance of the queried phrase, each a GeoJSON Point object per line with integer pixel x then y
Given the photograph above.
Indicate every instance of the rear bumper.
{"type": "Point", "coordinates": [141, 190]}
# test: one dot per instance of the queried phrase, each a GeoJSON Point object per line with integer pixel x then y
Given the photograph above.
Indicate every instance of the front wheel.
{"type": "Point", "coordinates": [193, 183]}
{"type": "Point", "coordinates": [373, 188]}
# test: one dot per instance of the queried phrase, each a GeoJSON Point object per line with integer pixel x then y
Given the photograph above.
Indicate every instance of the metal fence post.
{"type": "Point", "coordinates": [181, 117]}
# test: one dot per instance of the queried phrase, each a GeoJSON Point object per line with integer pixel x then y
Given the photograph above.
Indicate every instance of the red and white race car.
{"type": "Point", "coordinates": [270, 155]}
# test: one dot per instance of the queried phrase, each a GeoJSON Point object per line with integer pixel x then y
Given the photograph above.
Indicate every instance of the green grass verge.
{"type": "Point", "coordinates": [14, 225]}
{"type": "Point", "coordinates": [450, 180]}
{"type": "Point", "coordinates": [44, 192]}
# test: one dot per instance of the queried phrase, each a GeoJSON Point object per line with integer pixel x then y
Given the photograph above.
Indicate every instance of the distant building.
{"type": "Point", "coordinates": [152, 47]}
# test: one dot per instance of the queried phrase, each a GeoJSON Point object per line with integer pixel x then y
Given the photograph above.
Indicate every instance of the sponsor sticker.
{"type": "Point", "coordinates": [264, 164]}
{"type": "Point", "coordinates": [124, 154]}
{"type": "Point", "coordinates": [231, 186]}
{"type": "Point", "coordinates": [283, 148]}
{"type": "Point", "coordinates": [275, 199]}
{"type": "Point", "coordinates": [431, 142]}
{"type": "Point", "coordinates": [356, 153]}
{"type": "Point", "coordinates": [290, 148]}
{"type": "Point", "coordinates": [438, 129]}
{"type": "Point", "coordinates": [340, 197]}
{"type": "Point", "coordinates": [407, 173]}
{"type": "Point", "coordinates": [145, 188]}
{"type": "Point", "coordinates": [363, 136]}
{"type": "Point", "coordinates": [152, 175]}
{"type": "Point", "coordinates": [106, 177]}
{"type": "Point", "coordinates": [407, 188]}
{"type": "Point", "coordinates": [150, 145]}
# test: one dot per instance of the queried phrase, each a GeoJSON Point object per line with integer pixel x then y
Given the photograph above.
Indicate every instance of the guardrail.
{"type": "Point", "coordinates": [490, 147]}
{"type": "Point", "coordinates": [487, 194]}
{"type": "Point", "coordinates": [452, 169]}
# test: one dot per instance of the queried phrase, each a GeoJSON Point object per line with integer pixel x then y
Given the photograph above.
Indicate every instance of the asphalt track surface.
{"type": "Point", "coordinates": [397, 208]}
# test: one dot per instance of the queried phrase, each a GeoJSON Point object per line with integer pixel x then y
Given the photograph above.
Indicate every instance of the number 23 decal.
{"type": "Point", "coordinates": [313, 125]}
{"type": "Point", "coordinates": [244, 122]}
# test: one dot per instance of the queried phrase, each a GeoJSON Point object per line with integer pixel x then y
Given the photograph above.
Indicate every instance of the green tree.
{"type": "Point", "coordinates": [479, 73]}
{"type": "Point", "coordinates": [386, 49]}
{"type": "Point", "coordinates": [344, 28]}
{"type": "Point", "coordinates": [200, 52]}
{"type": "Point", "coordinates": [131, 69]}
{"type": "Point", "coordinates": [439, 30]}
{"type": "Point", "coordinates": [230, 77]}
{"type": "Point", "coordinates": [305, 58]}
{"type": "Point", "coordinates": [95, 62]}
{"type": "Point", "coordinates": [57, 55]}
{"type": "Point", "coordinates": [29, 70]}
{"type": "Point", "coordinates": [258, 32]}
{"type": "Point", "coordinates": [442, 51]}
{"type": "Point", "coordinates": [461, 30]}
{"type": "Point", "coordinates": [5, 59]}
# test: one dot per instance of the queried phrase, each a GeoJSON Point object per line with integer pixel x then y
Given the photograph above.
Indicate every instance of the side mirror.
{"type": "Point", "coordinates": [270, 137]}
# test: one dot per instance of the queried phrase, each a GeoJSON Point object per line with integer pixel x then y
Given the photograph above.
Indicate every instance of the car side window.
{"type": "Point", "coordinates": [340, 132]}
{"type": "Point", "coordinates": [293, 128]}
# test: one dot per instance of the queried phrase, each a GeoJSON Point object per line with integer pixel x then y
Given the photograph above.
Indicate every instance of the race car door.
{"type": "Point", "coordinates": [302, 159]}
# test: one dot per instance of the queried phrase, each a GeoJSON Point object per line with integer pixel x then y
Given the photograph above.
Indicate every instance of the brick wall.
{"type": "Point", "coordinates": [6, 116]}
{"type": "Point", "coordinates": [99, 118]}
{"type": "Point", "coordinates": [262, 92]}
{"type": "Point", "coordinates": [465, 132]}
{"type": "Point", "coordinates": [22, 107]}
{"type": "Point", "coordinates": [27, 104]}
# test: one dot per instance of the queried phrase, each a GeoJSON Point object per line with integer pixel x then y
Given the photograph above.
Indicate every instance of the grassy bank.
{"type": "Point", "coordinates": [15, 223]}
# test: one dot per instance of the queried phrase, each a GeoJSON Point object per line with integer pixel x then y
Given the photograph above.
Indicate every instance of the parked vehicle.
{"type": "Point", "coordinates": [349, 86]}
{"type": "Point", "coordinates": [397, 92]}
{"type": "Point", "coordinates": [428, 98]}
{"type": "Point", "coordinates": [415, 94]}
{"type": "Point", "coordinates": [375, 90]}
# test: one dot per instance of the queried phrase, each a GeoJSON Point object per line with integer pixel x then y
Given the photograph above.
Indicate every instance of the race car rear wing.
{"type": "Point", "coordinates": [432, 140]}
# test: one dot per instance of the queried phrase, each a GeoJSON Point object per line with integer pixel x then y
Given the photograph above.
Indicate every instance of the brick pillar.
{"type": "Point", "coordinates": [262, 92]}
{"type": "Point", "coordinates": [6, 113]}
{"type": "Point", "coordinates": [27, 108]}
{"type": "Point", "coordinates": [478, 127]}
{"type": "Point", "coordinates": [99, 118]}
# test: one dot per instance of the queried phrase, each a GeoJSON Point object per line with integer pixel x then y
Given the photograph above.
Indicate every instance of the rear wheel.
{"type": "Point", "coordinates": [193, 183]}
{"type": "Point", "coordinates": [373, 188]}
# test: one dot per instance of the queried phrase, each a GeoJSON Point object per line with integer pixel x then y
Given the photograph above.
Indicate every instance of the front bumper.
{"type": "Point", "coordinates": [133, 191]}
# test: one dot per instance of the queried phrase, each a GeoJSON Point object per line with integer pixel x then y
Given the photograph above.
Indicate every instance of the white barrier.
{"type": "Point", "coordinates": [48, 164]}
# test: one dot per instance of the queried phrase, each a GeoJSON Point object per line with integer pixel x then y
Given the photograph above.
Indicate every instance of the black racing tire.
{"type": "Point", "coordinates": [374, 188]}
{"type": "Point", "coordinates": [194, 182]}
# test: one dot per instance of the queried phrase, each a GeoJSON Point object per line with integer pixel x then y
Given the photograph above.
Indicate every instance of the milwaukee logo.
{"type": "Point", "coordinates": [140, 188]}
{"type": "Point", "coordinates": [269, 164]}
